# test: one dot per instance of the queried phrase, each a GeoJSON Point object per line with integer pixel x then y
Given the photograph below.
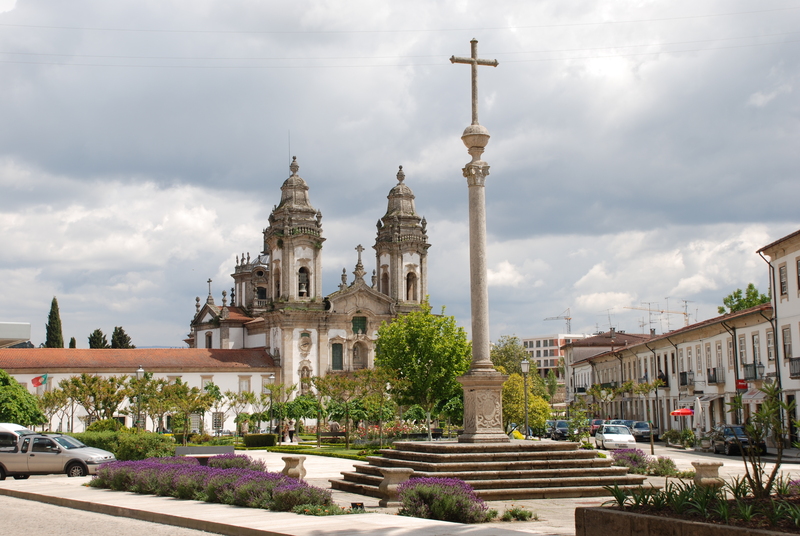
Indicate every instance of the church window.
{"type": "Point", "coordinates": [411, 287]}
{"type": "Point", "coordinates": [303, 289]}
{"type": "Point", "coordinates": [359, 324]}
{"type": "Point", "coordinates": [209, 340]}
{"type": "Point", "coordinates": [385, 283]}
{"type": "Point", "coordinates": [337, 354]}
{"type": "Point", "coordinates": [261, 293]}
{"type": "Point", "coordinates": [277, 284]}
{"type": "Point", "coordinates": [244, 384]}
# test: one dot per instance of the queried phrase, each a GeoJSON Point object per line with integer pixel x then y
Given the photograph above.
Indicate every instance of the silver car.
{"type": "Point", "coordinates": [39, 454]}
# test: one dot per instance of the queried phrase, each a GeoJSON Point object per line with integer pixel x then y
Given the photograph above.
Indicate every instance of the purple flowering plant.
{"type": "Point", "coordinates": [445, 499]}
{"type": "Point", "coordinates": [185, 478]}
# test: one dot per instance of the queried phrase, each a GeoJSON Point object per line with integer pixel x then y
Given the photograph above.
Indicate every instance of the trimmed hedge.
{"type": "Point", "coordinates": [130, 445]}
{"type": "Point", "coordinates": [260, 440]}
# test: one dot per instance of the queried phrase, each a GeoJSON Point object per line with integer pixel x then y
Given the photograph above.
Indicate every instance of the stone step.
{"type": "Point", "coordinates": [452, 447]}
{"type": "Point", "coordinates": [504, 475]}
{"type": "Point", "coordinates": [490, 456]}
{"type": "Point", "coordinates": [433, 467]}
{"type": "Point", "coordinates": [501, 494]}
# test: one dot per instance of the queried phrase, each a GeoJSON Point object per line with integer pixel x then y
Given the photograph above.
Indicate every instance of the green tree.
{"type": "Point", "coordinates": [100, 397]}
{"type": "Point", "coordinates": [514, 403]}
{"type": "Point", "coordinates": [120, 339]}
{"type": "Point", "coordinates": [73, 343]}
{"type": "Point", "coordinates": [341, 388]}
{"type": "Point", "coordinates": [552, 384]}
{"type": "Point", "coordinates": [508, 353]}
{"type": "Point", "coordinates": [237, 403]}
{"type": "Point", "coordinates": [55, 338]}
{"type": "Point", "coordinates": [737, 300]}
{"type": "Point", "coordinates": [98, 340]}
{"type": "Point", "coordinates": [426, 352]}
{"type": "Point", "coordinates": [188, 400]}
{"type": "Point", "coordinates": [17, 405]}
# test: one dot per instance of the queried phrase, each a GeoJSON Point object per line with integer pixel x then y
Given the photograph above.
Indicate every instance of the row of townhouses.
{"type": "Point", "coordinates": [704, 365]}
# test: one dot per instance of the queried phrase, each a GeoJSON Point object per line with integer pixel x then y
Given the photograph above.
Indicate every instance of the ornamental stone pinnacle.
{"type": "Point", "coordinates": [483, 410]}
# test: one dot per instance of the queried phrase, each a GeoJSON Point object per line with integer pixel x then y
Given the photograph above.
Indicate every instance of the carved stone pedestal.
{"type": "Point", "coordinates": [483, 407]}
{"type": "Point", "coordinates": [392, 477]}
{"type": "Point", "coordinates": [294, 467]}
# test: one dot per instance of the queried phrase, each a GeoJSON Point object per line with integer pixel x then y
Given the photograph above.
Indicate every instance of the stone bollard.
{"type": "Point", "coordinates": [294, 467]}
{"type": "Point", "coordinates": [707, 474]}
{"type": "Point", "coordinates": [392, 477]}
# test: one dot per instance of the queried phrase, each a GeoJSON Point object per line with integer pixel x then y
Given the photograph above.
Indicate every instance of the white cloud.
{"type": "Point", "coordinates": [506, 275]}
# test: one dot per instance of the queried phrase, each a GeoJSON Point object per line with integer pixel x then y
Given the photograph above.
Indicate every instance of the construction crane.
{"type": "Point", "coordinates": [663, 311]}
{"type": "Point", "coordinates": [563, 316]}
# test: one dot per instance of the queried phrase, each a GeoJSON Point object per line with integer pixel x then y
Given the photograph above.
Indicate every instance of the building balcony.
{"type": "Point", "coordinates": [683, 378]}
{"type": "Point", "coordinates": [580, 390]}
{"type": "Point", "coordinates": [794, 367]}
{"type": "Point", "coordinates": [608, 385]}
{"type": "Point", "coordinates": [716, 375]}
{"type": "Point", "coordinates": [750, 372]}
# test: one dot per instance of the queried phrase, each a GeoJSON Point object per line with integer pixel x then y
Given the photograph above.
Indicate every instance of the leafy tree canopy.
{"type": "Point", "coordinates": [55, 338]}
{"type": "Point", "coordinates": [17, 405]}
{"type": "Point", "coordinates": [514, 403]}
{"type": "Point", "coordinates": [120, 339]}
{"type": "Point", "coordinates": [98, 340]}
{"type": "Point", "coordinates": [508, 353]}
{"type": "Point", "coordinates": [738, 300]}
{"type": "Point", "coordinates": [426, 353]}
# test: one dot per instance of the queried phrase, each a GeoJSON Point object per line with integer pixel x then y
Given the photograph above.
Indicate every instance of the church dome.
{"type": "Point", "coordinates": [294, 192]}
{"type": "Point", "coordinates": [401, 199]}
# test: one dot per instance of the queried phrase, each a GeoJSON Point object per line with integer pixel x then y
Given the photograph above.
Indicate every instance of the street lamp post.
{"type": "Point", "coordinates": [526, 367]}
{"type": "Point", "coordinates": [271, 381]}
{"type": "Point", "coordinates": [139, 376]}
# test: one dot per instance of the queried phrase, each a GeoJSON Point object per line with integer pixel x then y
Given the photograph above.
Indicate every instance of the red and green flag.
{"type": "Point", "coordinates": [39, 380]}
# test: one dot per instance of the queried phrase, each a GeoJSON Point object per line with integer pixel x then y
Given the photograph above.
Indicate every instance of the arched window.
{"type": "Point", "coordinates": [303, 282]}
{"type": "Point", "coordinates": [411, 287]}
{"type": "Point", "coordinates": [385, 283]}
{"type": "Point", "coordinates": [277, 280]}
{"type": "Point", "coordinates": [359, 356]}
{"type": "Point", "coordinates": [209, 340]}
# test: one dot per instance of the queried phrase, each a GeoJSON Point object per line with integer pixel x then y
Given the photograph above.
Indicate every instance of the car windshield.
{"type": "Point", "coordinates": [640, 425]}
{"type": "Point", "coordinates": [68, 442]}
{"type": "Point", "coordinates": [597, 421]}
{"type": "Point", "coordinates": [562, 424]}
{"type": "Point", "coordinates": [24, 432]}
{"type": "Point", "coordinates": [615, 430]}
{"type": "Point", "coordinates": [735, 430]}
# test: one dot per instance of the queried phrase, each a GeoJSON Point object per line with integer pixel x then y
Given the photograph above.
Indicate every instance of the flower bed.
{"type": "Point", "coordinates": [228, 479]}
{"type": "Point", "coordinates": [726, 508]}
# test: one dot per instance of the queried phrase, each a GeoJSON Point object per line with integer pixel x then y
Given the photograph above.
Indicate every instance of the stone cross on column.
{"type": "Point", "coordinates": [209, 287]}
{"type": "Point", "coordinates": [474, 62]}
{"type": "Point", "coordinates": [359, 249]}
{"type": "Point", "coordinates": [483, 410]}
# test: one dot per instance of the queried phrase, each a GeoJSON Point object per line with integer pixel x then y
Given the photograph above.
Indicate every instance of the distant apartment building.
{"type": "Point", "coordinates": [546, 352]}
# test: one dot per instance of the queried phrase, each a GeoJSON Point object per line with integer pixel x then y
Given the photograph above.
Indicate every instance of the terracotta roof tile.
{"type": "Point", "coordinates": [152, 359]}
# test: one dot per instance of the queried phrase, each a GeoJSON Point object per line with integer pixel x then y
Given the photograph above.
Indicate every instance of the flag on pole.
{"type": "Point", "coordinates": [39, 380]}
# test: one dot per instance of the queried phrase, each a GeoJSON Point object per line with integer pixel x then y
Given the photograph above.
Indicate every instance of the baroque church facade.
{"type": "Point", "coordinates": [276, 300]}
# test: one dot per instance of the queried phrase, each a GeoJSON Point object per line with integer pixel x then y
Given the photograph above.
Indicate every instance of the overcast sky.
{"type": "Point", "coordinates": [641, 151]}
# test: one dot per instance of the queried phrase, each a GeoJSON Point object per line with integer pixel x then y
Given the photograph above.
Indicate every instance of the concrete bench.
{"type": "Point", "coordinates": [203, 453]}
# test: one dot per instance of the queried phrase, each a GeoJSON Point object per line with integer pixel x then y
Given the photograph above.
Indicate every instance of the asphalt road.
{"type": "Point", "coordinates": [21, 516]}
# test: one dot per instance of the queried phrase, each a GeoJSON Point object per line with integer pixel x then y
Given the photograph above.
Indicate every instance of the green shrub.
{"type": "Point", "coordinates": [330, 510]}
{"type": "Point", "coordinates": [143, 445]}
{"type": "Point", "coordinates": [105, 425]}
{"type": "Point", "coordinates": [260, 440]}
{"type": "Point", "coordinates": [130, 445]}
{"type": "Point", "coordinates": [519, 514]}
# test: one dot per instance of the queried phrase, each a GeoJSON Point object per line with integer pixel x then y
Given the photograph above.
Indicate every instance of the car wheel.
{"type": "Point", "coordinates": [76, 469]}
{"type": "Point", "coordinates": [728, 450]}
{"type": "Point", "coordinates": [2, 474]}
{"type": "Point", "coordinates": [21, 477]}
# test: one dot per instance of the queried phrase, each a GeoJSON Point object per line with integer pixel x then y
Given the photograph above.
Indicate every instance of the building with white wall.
{"type": "Point", "coordinates": [546, 351]}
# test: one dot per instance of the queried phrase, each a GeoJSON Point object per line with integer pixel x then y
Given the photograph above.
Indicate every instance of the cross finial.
{"type": "Point", "coordinates": [209, 286]}
{"type": "Point", "coordinates": [474, 62]}
{"type": "Point", "coordinates": [359, 249]}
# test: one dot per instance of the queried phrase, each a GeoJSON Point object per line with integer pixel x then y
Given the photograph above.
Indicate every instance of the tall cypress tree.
{"type": "Point", "coordinates": [73, 343]}
{"type": "Point", "coordinates": [55, 338]}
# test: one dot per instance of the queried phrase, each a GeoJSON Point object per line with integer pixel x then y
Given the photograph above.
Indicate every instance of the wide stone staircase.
{"type": "Point", "coordinates": [497, 471]}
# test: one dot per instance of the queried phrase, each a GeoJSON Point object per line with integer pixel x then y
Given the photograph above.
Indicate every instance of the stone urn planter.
{"type": "Point", "coordinates": [605, 521]}
{"type": "Point", "coordinates": [707, 474]}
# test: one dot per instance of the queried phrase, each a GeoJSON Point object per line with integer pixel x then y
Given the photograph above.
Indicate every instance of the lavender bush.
{"type": "Point", "coordinates": [445, 499]}
{"type": "Point", "coordinates": [185, 478]}
{"type": "Point", "coordinates": [234, 461]}
{"type": "Point", "coordinates": [634, 459]}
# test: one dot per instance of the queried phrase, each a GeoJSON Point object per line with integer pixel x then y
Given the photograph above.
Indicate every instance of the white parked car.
{"type": "Point", "coordinates": [614, 436]}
